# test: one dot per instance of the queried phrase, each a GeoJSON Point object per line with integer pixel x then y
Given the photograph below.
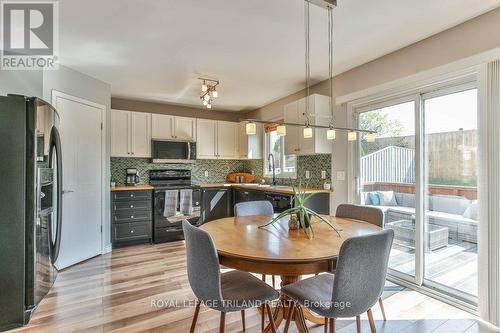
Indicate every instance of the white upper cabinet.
{"type": "Point", "coordinates": [165, 127]}
{"type": "Point", "coordinates": [319, 114]}
{"type": "Point", "coordinates": [185, 128]}
{"type": "Point", "coordinates": [250, 146]}
{"type": "Point", "coordinates": [216, 139]}
{"type": "Point", "coordinates": [162, 126]}
{"type": "Point", "coordinates": [120, 133]}
{"type": "Point", "coordinates": [292, 132]}
{"type": "Point", "coordinates": [130, 134]}
{"type": "Point", "coordinates": [207, 139]}
{"type": "Point", "coordinates": [141, 134]}
{"type": "Point", "coordinates": [227, 140]}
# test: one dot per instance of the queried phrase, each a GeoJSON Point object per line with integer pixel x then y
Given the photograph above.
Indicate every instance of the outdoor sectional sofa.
{"type": "Point", "coordinates": [458, 214]}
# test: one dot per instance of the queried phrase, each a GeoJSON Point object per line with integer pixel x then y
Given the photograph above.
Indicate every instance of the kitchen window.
{"type": "Point", "coordinates": [285, 165]}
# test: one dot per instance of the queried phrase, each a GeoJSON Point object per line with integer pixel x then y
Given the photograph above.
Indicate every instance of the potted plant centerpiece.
{"type": "Point", "coordinates": [301, 217]}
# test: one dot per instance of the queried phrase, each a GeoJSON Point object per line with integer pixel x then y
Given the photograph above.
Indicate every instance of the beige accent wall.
{"type": "Point", "coordinates": [170, 109]}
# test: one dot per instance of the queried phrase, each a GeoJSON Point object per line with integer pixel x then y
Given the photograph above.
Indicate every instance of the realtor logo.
{"type": "Point", "coordinates": [29, 32]}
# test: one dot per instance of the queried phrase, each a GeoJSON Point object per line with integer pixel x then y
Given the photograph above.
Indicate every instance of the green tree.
{"type": "Point", "coordinates": [379, 122]}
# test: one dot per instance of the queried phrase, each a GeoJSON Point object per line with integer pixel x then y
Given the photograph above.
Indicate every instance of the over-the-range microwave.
{"type": "Point", "coordinates": [173, 151]}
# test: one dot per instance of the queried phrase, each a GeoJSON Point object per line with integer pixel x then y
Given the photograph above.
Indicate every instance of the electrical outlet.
{"type": "Point", "coordinates": [323, 174]}
{"type": "Point", "coordinates": [206, 173]}
{"type": "Point", "coordinates": [308, 174]}
{"type": "Point", "coordinates": [340, 175]}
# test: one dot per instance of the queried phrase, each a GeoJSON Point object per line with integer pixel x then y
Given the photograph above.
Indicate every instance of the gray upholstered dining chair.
{"type": "Point", "coordinates": [227, 292]}
{"type": "Point", "coordinates": [356, 285]}
{"type": "Point", "coordinates": [371, 215]}
{"type": "Point", "coordinates": [250, 208]}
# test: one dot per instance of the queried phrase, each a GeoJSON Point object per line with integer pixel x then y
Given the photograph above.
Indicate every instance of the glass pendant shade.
{"type": "Point", "coordinates": [209, 106]}
{"type": "Point", "coordinates": [281, 130]}
{"type": "Point", "coordinates": [206, 97]}
{"type": "Point", "coordinates": [330, 134]}
{"type": "Point", "coordinates": [370, 137]}
{"type": "Point", "coordinates": [205, 102]}
{"type": "Point", "coordinates": [215, 94]}
{"type": "Point", "coordinates": [251, 128]}
{"type": "Point", "coordinates": [308, 132]}
{"type": "Point", "coordinates": [204, 87]}
{"type": "Point", "coordinates": [352, 136]}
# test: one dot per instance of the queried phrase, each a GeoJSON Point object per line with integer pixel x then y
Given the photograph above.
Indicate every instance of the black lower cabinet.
{"type": "Point", "coordinates": [216, 204]}
{"type": "Point", "coordinates": [131, 217]}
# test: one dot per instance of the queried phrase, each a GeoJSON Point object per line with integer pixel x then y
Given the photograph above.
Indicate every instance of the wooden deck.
{"type": "Point", "coordinates": [454, 266]}
{"type": "Point", "coordinates": [117, 292]}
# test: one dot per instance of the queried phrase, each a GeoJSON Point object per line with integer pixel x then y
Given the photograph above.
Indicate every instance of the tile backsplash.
{"type": "Point", "coordinates": [219, 169]}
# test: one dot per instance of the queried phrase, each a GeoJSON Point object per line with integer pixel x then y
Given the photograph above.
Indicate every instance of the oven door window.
{"type": "Point", "coordinates": [170, 150]}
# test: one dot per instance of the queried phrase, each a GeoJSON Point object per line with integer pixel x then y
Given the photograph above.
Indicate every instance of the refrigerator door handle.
{"type": "Point", "coordinates": [55, 162]}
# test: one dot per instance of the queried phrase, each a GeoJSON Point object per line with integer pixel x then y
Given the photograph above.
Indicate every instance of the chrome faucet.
{"type": "Point", "coordinates": [270, 158]}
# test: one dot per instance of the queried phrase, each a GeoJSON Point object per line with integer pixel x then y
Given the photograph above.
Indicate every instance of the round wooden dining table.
{"type": "Point", "coordinates": [276, 250]}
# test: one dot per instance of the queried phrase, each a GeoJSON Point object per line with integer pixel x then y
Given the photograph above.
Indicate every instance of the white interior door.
{"type": "Point", "coordinates": [81, 143]}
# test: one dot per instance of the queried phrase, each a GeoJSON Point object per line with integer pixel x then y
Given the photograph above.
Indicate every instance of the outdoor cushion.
{"type": "Point", "coordinates": [449, 204]}
{"type": "Point", "coordinates": [459, 219]}
{"type": "Point", "coordinates": [387, 198]}
{"type": "Point", "coordinates": [471, 211]}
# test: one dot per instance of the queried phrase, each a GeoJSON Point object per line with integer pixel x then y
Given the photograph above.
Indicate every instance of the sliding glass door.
{"type": "Point", "coordinates": [450, 187]}
{"type": "Point", "coordinates": [421, 171]}
{"type": "Point", "coordinates": [387, 174]}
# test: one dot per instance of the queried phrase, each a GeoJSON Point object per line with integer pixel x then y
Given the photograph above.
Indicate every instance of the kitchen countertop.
{"type": "Point", "coordinates": [132, 188]}
{"type": "Point", "coordinates": [265, 188]}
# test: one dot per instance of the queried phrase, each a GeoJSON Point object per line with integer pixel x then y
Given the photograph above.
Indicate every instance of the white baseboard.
{"type": "Point", "coordinates": [107, 249]}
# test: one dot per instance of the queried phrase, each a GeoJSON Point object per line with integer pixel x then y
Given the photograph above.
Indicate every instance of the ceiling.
{"type": "Point", "coordinates": [155, 50]}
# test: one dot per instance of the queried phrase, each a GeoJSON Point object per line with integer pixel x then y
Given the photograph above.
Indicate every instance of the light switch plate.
{"type": "Point", "coordinates": [308, 174]}
{"type": "Point", "coordinates": [206, 173]}
{"type": "Point", "coordinates": [323, 174]}
{"type": "Point", "coordinates": [340, 175]}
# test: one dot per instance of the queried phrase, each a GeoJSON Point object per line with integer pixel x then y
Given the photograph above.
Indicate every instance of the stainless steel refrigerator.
{"type": "Point", "coordinates": [30, 205]}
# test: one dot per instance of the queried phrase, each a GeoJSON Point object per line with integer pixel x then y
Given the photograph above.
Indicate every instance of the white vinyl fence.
{"type": "Point", "coordinates": [389, 165]}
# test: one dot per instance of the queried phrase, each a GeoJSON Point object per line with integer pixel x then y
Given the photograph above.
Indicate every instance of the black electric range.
{"type": "Point", "coordinates": [169, 228]}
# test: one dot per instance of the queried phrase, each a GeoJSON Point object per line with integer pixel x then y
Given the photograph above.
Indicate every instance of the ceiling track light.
{"type": "Point", "coordinates": [208, 91]}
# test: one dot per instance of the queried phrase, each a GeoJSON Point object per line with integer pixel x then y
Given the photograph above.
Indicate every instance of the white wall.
{"type": "Point", "coordinates": [28, 83]}
{"type": "Point", "coordinates": [83, 86]}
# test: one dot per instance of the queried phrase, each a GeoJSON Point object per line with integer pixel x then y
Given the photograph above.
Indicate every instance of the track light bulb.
{"type": "Point", "coordinates": [330, 134]}
{"type": "Point", "coordinates": [352, 136]}
{"type": "Point", "coordinates": [281, 130]}
{"type": "Point", "coordinates": [308, 132]}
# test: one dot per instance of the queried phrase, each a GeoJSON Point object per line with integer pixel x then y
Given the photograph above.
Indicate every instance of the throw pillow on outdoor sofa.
{"type": "Point", "coordinates": [374, 198]}
{"type": "Point", "coordinates": [387, 198]}
{"type": "Point", "coordinates": [471, 211]}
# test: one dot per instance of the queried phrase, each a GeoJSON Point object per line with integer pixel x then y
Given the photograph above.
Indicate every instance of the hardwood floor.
{"type": "Point", "coordinates": [145, 289]}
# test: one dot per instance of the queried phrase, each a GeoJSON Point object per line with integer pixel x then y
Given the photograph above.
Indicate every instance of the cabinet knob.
{"type": "Point", "coordinates": [131, 216]}
{"type": "Point", "coordinates": [131, 195]}
{"type": "Point", "coordinates": [131, 231]}
{"type": "Point", "coordinates": [131, 206]}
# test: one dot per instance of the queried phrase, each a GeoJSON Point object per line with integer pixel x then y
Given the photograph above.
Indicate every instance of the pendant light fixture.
{"type": "Point", "coordinates": [331, 129]}
{"type": "Point", "coordinates": [281, 130]}
{"type": "Point", "coordinates": [330, 133]}
{"type": "Point", "coordinates": [307, 132]}
{"type": "Point", "coordinates": [251, 128]}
